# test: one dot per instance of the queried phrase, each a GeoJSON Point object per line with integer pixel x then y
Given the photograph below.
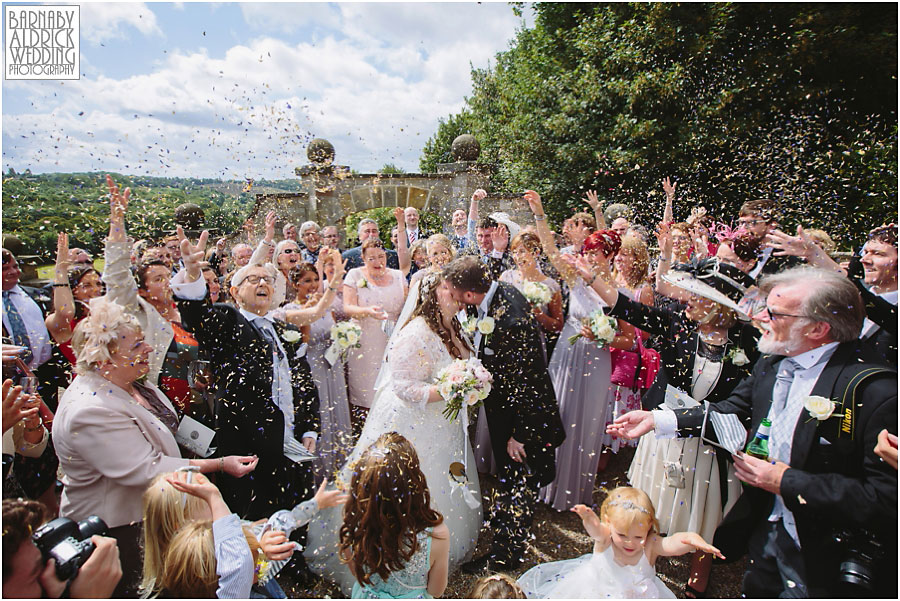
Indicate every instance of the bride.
{"type": "Point", "coordinates": [408, 402]}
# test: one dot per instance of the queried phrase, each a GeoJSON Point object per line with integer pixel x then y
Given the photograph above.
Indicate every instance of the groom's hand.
{"type": "Point", "coordinates": [516, 450]}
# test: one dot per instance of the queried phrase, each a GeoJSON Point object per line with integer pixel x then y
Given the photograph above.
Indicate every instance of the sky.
{"type": "Point", "coordinates": [237, 90]}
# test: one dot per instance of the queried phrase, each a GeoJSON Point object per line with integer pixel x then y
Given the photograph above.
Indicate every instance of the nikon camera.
{"type": "Point", "coordinates": [68, 542]}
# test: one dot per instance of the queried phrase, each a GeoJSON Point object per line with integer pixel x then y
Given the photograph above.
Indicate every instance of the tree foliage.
{"type": "Point", "coordinates": [795, 102]}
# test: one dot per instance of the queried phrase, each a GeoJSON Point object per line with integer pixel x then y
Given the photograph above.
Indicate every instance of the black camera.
{"type": "Point", "coordinates": [859, 566]}
{"type": "Point", "coordinates": [68, 542]}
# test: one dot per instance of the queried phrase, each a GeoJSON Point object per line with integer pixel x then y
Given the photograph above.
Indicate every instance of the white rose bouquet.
{"type": "Point", "coordinates": [602, 326]}
{"type": "Point", "coordinates": [346, 335]}
{"type": "Point", "coordinates": [537, 293]}
{"type": "Point", "coordinates": [463, 382]}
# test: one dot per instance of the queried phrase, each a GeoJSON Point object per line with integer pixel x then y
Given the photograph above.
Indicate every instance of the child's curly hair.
{"type": "Point", "coordinates": [389, 506]}
{"type": "Point", "coordinates": [496, 586]}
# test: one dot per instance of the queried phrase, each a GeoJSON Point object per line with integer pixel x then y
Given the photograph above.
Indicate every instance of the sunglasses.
{"type": "Point", "coordinates": [288, 251]}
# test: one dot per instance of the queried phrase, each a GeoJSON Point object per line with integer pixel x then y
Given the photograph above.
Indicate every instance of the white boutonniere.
{"type": "Point", "coordinates": [485, 325]}
{"type": "Point", "coordinates": [362, 283]}
{"type": "Point", "coordinates": [291, 336]}
{"type": "Point", "coordinates": [737, 356]}
{"type": "Point", "coordinates": [819, 407]}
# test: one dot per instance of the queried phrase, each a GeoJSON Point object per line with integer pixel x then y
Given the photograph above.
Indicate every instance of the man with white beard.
{"type": "Point", "coordinates": [827, 398]}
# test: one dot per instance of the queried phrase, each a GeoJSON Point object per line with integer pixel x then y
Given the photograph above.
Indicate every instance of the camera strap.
{"type": "Point", "coordinates": [848, 421]}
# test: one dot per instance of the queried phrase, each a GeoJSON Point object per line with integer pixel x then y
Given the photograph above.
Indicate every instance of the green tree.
{"type": "Point", "coordinates": [390, 168]}
{"type": "Point", "coordinates": [794, 102]}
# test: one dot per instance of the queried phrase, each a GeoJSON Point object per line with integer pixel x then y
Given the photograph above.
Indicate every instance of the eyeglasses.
{"type": "Point", "coordinates": [253, 280]}
{"type": "Point", "coordinates": [773, 314]}
{"type": "Point", "coordinates": [306, 234]}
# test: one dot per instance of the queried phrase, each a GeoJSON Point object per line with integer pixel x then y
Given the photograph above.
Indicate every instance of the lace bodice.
{"type": "Point", "coordinates": [416, 357]}
{"type": "Point", "coordinates": [405, 583]}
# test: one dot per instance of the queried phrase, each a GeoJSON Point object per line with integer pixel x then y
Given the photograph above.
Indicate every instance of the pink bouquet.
{"type": "Point", "coordinates": [463, 382]}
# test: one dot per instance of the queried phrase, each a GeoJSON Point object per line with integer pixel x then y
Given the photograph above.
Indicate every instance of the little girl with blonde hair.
{"type": "Point", "coordinates": [626, 545]}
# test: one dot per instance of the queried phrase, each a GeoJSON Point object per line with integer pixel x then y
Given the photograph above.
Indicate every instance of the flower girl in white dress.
{"type": "Point", "coordinates": [626, 545]}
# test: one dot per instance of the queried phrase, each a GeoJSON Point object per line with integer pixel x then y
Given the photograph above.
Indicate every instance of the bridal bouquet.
{"type": "Point", "coordinates": [602, 326]}
{"type": "Point", "coordinates": [345, 335]}
{"type": "Point", "coordinates": [463, 382]}
{"type": "Point", "coordinates": [536, 293]}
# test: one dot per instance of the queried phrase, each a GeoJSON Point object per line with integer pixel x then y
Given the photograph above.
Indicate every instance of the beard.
{"type": "Point", "coordinates": [793, 341]}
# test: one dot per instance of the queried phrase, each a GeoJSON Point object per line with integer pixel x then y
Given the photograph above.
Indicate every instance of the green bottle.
{"type": "Point", "coordinates": [759, 446]}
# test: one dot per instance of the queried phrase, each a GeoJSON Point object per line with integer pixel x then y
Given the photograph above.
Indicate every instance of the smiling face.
{"type": "Point", "coordinates": [212, 284]}
{"type": "Point", "coordinates": [311, 239]}
{"type": "Point", "coordinates": [438, 254]}
{"type": "Point", "coordinates": [523, 256]}
{"type": "Point", "coordinates": [411, 216]}
{"type": "Point", "coordinates": [624, 262]}
{"type": "Point", "coordinates": [330, 237]}
{"type": "Point", "coordinates": [620, 226]}
{"type": "Point", "coordinates": [375, 260]}
{"type": "Point", "coordinates": [698, 308]}
{"type": "Point", "coordinates": [241, 255]}
{"type": "Point", "coordinates": [289, 257]}
{"type": "Point", "coordinates": [879, 262]}
{"type": "Point", "coordinates": [11, 271]}
{"type": "Point", "coordinates": [308, 284]}
{"type": "Point", "coordinates": [784, 333]}
{"type": "Point", "coordinates": [628, 537]}
{"type": "Point", "coordinates": [254, 293]}
{"type": "Point", "coordinates": [367, 231]}
{"type": "Point", "coordinates": [88, 287]}
{"type": "Point", "coordinates": [131, 359]}
{"type": "Point", "coordinates": [459, 218]}
{"type": "Point", "coordinates": [155, 287]}
{"type": "Point", "coordinates": [484, 239]}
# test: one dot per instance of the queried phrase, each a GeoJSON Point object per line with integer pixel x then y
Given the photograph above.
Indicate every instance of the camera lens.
{"type": "Point", "coordinates": [90, 526]}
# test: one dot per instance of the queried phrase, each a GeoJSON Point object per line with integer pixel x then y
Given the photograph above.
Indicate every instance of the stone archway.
{"type": "Point", "coordinates": [332, 193]}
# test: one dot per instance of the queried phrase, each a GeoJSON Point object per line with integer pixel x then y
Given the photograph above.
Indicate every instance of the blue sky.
{"type": "Point", "coordinates": [237, 90]}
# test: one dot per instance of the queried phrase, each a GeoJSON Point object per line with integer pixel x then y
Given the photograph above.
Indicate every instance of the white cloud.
{"type": "Point", "coordinates": [109, 20]}
{"type": "Point", "coordinates": [373, 81]}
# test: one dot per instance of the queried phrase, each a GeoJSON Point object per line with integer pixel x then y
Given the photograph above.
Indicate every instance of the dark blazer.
{"type": "Point", "coordinates": [495, 265]}
{"type": "Point", "coordinates": [522, 403]}
{"type": "Point", "coordinates": [836, 484]}
{"type": "Point", "coordinates": [681, 337]}
{"type": "Point", "coordinates": [884, 313]}
{"type": "Point", "coordinates": [248, 421]}
{"type": "Point", "coordinates": [353, 256]}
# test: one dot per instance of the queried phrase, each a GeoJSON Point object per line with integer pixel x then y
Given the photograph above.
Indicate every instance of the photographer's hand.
{"type": "Point", "coordinates": [97, 578]}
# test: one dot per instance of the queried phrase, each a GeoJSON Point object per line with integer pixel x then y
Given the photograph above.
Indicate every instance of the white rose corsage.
{"type": "Point", "coordinates": [362, 283]}
{"type": "Point", "coordinates": [486, 325]}
{"type": "Point", "coordinates": [819, 407]}
{"type": "Point", "coordinates": [291, 336]}
{"type": "Point", "coordinates": [737, 356]}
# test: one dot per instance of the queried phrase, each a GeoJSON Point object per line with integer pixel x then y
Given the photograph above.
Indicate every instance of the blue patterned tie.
{"type": "Point", "coordinates": [19, 332]}
{"type": "Point", "coordinates": [782, 432]}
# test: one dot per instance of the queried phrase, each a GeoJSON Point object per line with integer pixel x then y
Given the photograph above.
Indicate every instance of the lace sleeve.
{"type": "Point", "coordinates": [415, 355]}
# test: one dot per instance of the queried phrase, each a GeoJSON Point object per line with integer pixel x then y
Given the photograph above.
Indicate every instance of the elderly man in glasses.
{"type": "Point", "coordinates": [822, 492]}
{"type": "Point", "coordinates": [268, 397]}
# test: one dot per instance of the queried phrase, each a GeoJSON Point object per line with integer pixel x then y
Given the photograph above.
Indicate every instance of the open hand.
{"type": "Point", "coordinates": [192, 254]}
{"type": "Point", "coordinates": [62, 255]}
{"type": "Point", "coordinates": [631, 425]}
{"type": "Point", "coordinates": [16, 406]}
{"type": "Point", "coordinates": [784, 244]}
{"type": "Point", "coordinates": [579, 264]}
{"type": "Point", "coordinates": [118, 203]}
{"type": "Point", "coordinates": [500, 238]}
{"type": "Point", "coordinates": [669, 189]}
{"type": "Point", "coordinates": [695, 540]}
{"type": "Point", "coordinates": [238, 466]}
{"type": "Point", "coordinates": [592, 524]}
{"type": "Point", "coordinates": [592, 199]}
{"type": "Point", "coordinates": [329, 498]}
{"type": "Point", "coordinates": [400, 216]}
{"type": "Point", "coordinates": [534, 202]}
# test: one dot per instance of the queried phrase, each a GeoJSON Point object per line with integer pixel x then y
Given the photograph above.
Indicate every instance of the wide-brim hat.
{"type": "Point", "coordinates": [505, 219]}
{"type": "Point", "coordinates": [712, 279]}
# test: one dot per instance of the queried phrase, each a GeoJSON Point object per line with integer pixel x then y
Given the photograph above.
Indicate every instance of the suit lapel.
{"type": "Point", "coordinates": [805, 431]}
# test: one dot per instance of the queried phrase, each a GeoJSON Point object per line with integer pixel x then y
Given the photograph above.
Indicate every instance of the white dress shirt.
{"type": "Point", "coordinates": [33, 318]}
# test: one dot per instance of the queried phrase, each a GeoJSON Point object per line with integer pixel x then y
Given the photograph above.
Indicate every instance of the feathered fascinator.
{"type": "Point", "coordinates": [95, 332]}
{"type": "Point", "coordinates": [725, 233]}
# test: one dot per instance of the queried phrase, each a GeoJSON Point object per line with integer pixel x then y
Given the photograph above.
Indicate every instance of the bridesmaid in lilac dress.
{"type": "Point", "coordinates": [580, 370]}
{"type": "Point", "coordinates": [374, 296]}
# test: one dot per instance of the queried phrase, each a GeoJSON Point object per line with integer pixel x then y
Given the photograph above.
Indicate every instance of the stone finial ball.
{"type": "Point", "coordinates": [189, 216]}
{"type": "Point", "coordinates": [465, 148]}
{"type": "Point", "coordinates": [320, 151]}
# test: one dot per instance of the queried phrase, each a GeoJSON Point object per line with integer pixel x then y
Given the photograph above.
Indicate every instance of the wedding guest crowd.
{"type": "Point", "coordinates": [203, 387]}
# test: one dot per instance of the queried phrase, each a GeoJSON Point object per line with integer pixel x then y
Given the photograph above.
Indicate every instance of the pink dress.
{"type": "Point", "coordinates": [363, 363]}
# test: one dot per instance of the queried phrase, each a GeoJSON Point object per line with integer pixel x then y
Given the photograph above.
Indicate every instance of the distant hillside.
{"type": "Point", "coordinates": [37, 207]}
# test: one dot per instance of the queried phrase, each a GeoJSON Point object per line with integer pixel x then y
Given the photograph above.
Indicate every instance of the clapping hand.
{"type": "Point", "coordinates": [192, 254]}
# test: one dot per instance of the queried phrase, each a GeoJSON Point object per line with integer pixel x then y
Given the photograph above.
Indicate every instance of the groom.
{"type": "Point", "coordinates": [522, 412]}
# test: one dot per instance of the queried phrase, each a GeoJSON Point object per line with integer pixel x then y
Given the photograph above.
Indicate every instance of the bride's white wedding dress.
{"type": "Point", "coordinates": [414, 358]}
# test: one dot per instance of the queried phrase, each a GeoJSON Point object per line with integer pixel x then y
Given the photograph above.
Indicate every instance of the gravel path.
{"type": "Point", "coordinates": [559, 535]}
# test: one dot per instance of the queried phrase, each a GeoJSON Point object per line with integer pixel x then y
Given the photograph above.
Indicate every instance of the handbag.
{"type": "Point", "coordinates": [634, 369]}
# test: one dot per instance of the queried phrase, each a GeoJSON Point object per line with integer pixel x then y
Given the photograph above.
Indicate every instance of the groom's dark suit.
{"type": "Point", "coordinates": [522, 405]}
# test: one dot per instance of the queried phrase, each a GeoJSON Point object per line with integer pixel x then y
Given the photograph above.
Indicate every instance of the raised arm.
{"type": "Point", "coordinates": [597, 206]}
{"type": "Point", "coordinates": [308, 315]}
{"type": "Point", "coordinates": [548, 242]}
{"type": "Point", "coordinates": [402, 241]}
{"type": "Point", "coordinates": [801, 246]}
{"type": "Point", "coordinates": [477, 195]}
{"type": "Point", "coordinates": [59, 323]}
{"type": "Point", "coordinates": [120, 284]}
{"type": "Point", "coordinates": [664, 237]}
{"type": "Point", "coordinates": [680, 543]}
{"type": "Point", "coordinates": [669, 189]}
{"type": "Point", "coordinates": [260, 254]}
